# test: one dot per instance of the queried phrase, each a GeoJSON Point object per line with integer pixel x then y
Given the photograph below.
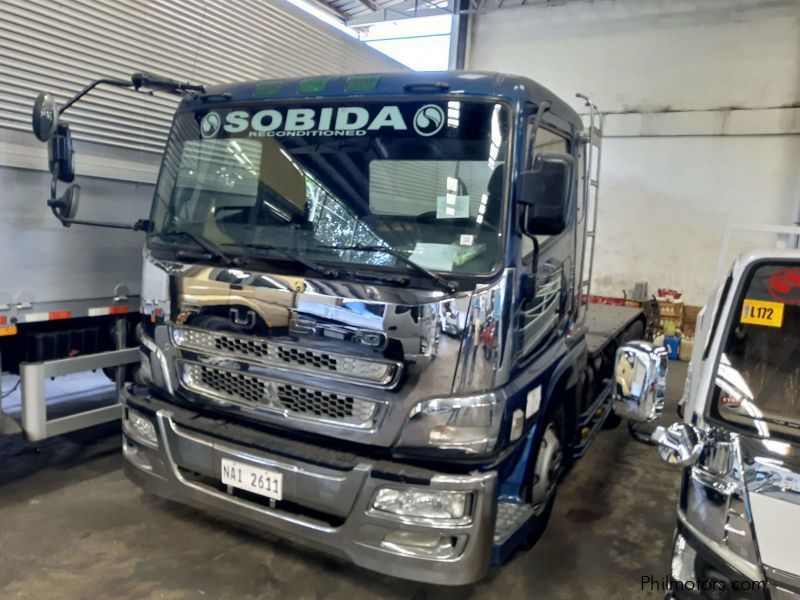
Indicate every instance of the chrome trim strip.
{"type": "Point", "coordinates": [393, 368]}
{"type": "Point", "coordinates": [748, 569]}
{"type": "Point", "coordinates": [783, 578]}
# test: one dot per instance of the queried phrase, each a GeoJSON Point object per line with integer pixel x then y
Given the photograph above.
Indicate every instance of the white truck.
{"type": "Point", "coordinates": [738, 435]}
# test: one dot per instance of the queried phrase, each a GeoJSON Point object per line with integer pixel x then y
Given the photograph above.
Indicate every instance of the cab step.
{"type": "Point", "coordinates": [511, 515]}
{"type": "Point", "coordinates": [510, 526]}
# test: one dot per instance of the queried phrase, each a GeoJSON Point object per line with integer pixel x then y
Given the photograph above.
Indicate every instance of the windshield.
{"type": "Point", "coordinates": [324, 180]}
{"type": "Point", "coordinates": [758, 380]}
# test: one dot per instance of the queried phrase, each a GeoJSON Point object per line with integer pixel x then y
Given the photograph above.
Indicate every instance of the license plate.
{"type": "Point", "coordinates": [252, 479]}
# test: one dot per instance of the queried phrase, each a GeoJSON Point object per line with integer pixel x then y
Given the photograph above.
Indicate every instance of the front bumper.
{"type": "Point", "coordinates": [327, 495]}
{"type": "Point", "coordinates": [714, 575]}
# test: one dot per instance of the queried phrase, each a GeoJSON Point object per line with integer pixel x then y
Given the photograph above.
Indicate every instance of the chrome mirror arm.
{"type": "Point", "coordinates": [641, 433]}
{"type": "Point", "coordinates": [679, 444]}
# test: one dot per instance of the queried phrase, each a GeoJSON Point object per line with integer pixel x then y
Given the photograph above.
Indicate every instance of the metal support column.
{"type": "Point", "coordinates": [459, 34]}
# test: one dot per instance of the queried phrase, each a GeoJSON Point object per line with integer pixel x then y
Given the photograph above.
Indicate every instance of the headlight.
{"type": "Point", "coordinates": [435, 505]}
{"type": "Point", "coordinates": [140, 428]}
{"type": "Point", "coordinates": [465, 424]}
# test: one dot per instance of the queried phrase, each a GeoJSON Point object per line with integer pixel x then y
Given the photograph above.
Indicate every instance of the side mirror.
{"type": "Point", "coordinates": [679, 444]}
{"type": "Point", "coordinates": [640, 378]}
{"type": "Point", "coordinates": [66, 207]}
{"type": "Point", "coordinates": [44, 118]}
{"type": "Point", "coordinates": [545, 189]}
{"type": "Point", "coordinates": [60, 154]}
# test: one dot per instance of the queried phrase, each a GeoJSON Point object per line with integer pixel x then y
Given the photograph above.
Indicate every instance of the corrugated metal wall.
{"type": "Point", "coordinates": [60, 46]}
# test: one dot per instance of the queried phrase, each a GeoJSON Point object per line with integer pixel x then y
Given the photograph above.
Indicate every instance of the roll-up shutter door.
{"type": "Point", "coordinates": [60, 46]}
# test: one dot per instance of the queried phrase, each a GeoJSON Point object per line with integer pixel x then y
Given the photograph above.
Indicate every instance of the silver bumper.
{"type": "Point", "coordinates": [325, 506]}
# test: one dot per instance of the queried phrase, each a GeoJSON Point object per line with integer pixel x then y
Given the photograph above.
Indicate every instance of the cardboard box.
{"type": "Point", "coordinates": [690, 319]}
{"type": "Point", "coordinates": [670, 310]}
{"type": "Point", "coordinates": [685, 352]}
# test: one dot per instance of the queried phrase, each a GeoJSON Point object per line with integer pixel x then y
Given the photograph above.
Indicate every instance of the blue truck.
{"type": "Point", "coordinates": [365, 311]}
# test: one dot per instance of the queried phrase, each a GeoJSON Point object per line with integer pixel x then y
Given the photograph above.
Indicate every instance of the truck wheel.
{"type": "Point", "coordinates": [547, 473]}
{"type": "Point", "coordinates": [612, 421]}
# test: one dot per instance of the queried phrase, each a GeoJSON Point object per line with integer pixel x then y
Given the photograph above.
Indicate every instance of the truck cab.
{"type": "Point", "coordinates": [737, 441]}
{"type": "Point", "coordinates": [364, 314]}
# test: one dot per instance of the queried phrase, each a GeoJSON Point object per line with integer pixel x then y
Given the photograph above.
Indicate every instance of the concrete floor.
{"type": "Point", "coordinates": [71, 526]}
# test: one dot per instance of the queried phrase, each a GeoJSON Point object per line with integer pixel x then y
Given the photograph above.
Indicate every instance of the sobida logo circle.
{"type": "Point", "coordinates": [428, 120]}
{"type": "Point", "coordinates": [209, 126]}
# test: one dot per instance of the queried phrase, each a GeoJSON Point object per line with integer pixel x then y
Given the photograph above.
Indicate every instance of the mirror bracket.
{"type": "Point", "coordinates": [679, 444]}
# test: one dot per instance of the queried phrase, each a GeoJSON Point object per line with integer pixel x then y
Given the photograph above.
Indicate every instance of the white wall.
{"type": "Point", "coordinates": [702, 125]}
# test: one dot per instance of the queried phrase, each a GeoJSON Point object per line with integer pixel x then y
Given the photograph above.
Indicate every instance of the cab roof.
{"type": "Point", "coordinates": [468, 83]}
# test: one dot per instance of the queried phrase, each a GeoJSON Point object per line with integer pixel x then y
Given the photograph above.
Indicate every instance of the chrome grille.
{"type": "Point", "coordinates": [255, 391]}
{"type": "Point", "coordinates": [323, 404]}
{"type": "Point", "coordinates": [286, 355]}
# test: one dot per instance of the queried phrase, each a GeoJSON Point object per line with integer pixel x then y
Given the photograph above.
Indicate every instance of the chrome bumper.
{"type": "Point", "coordinates": [327, 496]}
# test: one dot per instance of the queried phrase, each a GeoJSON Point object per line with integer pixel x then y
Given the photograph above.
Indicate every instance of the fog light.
{"type": "Point", "coordinates": [135, 456]}
{"type": "Point", "coordinates": [140, 428]}
{"type": "Point", "coordinates": [422, 504]}
{"type": "Point", "coordinates": [683, 559]}
{"type": "Point", "coordinates": [414, 543]}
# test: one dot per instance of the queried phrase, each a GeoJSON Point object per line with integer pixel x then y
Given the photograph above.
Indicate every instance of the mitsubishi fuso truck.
{"type": "Point", "coordinates": [738, 436]}
{"type": "Point", "coordinates": [365, 318]}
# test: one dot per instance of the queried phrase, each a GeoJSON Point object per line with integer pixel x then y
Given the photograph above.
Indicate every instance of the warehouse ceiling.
{"type": "Point", "coordinates": [360, 13]}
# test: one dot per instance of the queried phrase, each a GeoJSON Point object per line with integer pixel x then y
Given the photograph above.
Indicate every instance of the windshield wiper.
{"type": "Point", "coordinates": [438, 280]}
{"type": "Point", "coordinates": [210, 248]}
{"type": "Point", "coordinates": [291, 256]}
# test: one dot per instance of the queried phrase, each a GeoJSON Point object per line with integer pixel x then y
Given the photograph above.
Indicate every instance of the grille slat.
{"type": "Point", "coordinates": [285, 355]}
{"type": "Point", "coordinates": [255, 391]}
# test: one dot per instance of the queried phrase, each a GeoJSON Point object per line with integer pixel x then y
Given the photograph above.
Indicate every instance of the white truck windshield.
{"type": "Point", "coordinates": [423, 178]}
{"type": "Point", "coordinates": [759, 375]}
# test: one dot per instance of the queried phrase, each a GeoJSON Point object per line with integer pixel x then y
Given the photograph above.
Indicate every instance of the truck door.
{"type": "Point", "coordinates": [542, 314]}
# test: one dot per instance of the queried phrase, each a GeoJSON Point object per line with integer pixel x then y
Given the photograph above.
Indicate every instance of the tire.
{"type": "Point", "coordinates": [612, 421]}
{"type": "Point", "coordinates": [550, 462]}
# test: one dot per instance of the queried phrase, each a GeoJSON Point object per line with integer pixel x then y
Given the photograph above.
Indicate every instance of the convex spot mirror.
{"type": "Point", "coordinates": [545, 189]}
{"type": "Point", "coordinates": [679, 444]}
{"type": "Point", "coordinates": [640, 379]}
{"type": "Point", "coordinates": [66, 207]}
{"type": "Point", "coordinates": [44, 118]}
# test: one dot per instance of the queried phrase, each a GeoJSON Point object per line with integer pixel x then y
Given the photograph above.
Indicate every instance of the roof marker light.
{"type": "Point", "coordinates": [362, 83]}
{"type": "Point", "coordinates": [267, 88]}
{"type": "Point", "coordinates": [312, 86]}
